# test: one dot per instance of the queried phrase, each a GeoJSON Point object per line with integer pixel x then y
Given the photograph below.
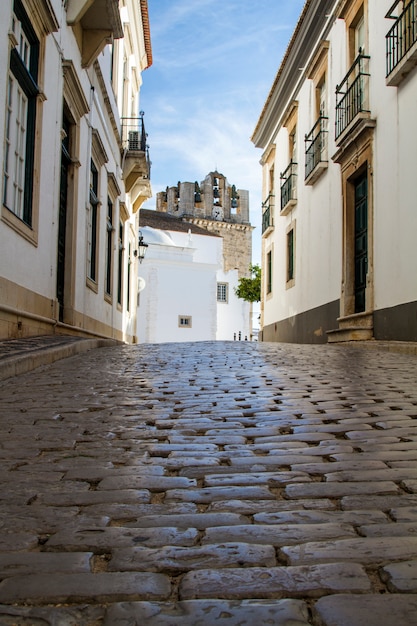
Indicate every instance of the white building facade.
{"type": "Point", "coordinates": [74, 164]}
{"type": "Point", "coordinates": [338, 134]}
{"type": "Point", "coordinates": [185, 292]}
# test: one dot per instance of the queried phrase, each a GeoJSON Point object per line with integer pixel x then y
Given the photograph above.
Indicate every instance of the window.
{"type": "Point", "coordinates": [290, 256]}
{"type": "Point", "coordinates": [120, 248]}
{"type": "Point", "coordinates": [269, 272]}
{"type": "Point", "coordinates": [92, 224]}
{"type": "Point", "coordinates": [109, 247]}
{"type": "Point", "coordinates": [21, 97]}
{"type": "Point", "coordinates": [222, 292]}
{"type": "Point", "coordinates": [184, 321]}
{"type": "Point", "coordinates": [289, 176]}
{"type": "Point", "coordinates": [128, 277]}
{"type": "Point", "coordinates": [316, 157]}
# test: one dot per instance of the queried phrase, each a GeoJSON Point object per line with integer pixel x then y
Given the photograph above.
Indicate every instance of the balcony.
{"type": "Point", "coordinates": [401, 43]}
{"type": "Point", "coordinates": [96, 23]}
{"type": "Point", "coordinates": [135, 162]}
{"type": "Point", "coordinates": [289, 188]}
{"type": "Point", "coordinates": [268, 214]}
{"type": "Point", "coordinates": [352, 98]}
{"type": "Point", "coordinates": [316, 151]}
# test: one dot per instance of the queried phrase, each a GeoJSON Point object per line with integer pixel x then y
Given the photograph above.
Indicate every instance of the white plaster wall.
{"type": "Point", "coordinates": [34, 266]}
{"type": "Point", "coordinates": [395, 179]}
{"type": "Point", "coordinates": [180, 280]}
{"type": "Point", "coordinates": [28, 265]}
{"type": "Point", "coordinates": [233, 316]}
{"type": "Point", "coordinates": [317, 215]}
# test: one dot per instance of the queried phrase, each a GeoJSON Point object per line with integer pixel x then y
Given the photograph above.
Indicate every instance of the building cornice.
{"type": "Point", "coordinates": [146, 32]}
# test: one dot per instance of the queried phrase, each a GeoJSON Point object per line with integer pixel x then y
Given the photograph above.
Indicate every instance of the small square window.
{"type": "Point", "coordinates": [222, 292]}
{"type": "Point", "coordinates": [184, 321]}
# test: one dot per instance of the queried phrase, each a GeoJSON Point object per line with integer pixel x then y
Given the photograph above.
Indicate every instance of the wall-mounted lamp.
{"type": "Point", "coordinates": [142, 247]}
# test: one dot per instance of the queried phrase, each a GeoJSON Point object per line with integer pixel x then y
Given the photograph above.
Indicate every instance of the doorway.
{"type": "Point", "coordinates": [361, 241]}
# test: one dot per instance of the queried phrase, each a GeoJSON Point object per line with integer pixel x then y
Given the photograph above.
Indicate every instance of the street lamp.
{"type": "Point", "coordinates": [142, 247]}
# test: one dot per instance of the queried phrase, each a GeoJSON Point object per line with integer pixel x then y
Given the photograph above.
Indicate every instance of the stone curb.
{"type": "Point", "coordinates": [33, 358]}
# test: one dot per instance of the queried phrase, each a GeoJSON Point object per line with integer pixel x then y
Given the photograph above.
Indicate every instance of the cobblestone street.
{"type": "Point", "coordinates": [211, 483]}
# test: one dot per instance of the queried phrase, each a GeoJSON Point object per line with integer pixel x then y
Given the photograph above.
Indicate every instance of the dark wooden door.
{"type": "Point", "coordinates": [361, 241]}
{"type": "Point", "coordinates": [62, 220]}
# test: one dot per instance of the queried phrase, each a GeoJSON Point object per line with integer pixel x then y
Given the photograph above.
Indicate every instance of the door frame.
{"type": "Point", "coordinates": [355, 161]}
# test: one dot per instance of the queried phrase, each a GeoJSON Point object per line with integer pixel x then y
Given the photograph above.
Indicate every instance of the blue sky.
{"type": "Point", "coordinates": [214, 62]}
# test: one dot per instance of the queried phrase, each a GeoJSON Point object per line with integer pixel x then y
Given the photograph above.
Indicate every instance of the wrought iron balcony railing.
{"type": "Point", "coordinates": [316, 145]}
{"type": "Point", "coordinates": [134, 139]}
{"type": "Point", "coordinates": [268, 212]}
{"type": "Point", "coordinates": [352, 94]}
{"type": "Point", "coordinates": [289, 185]}
{"type": "Point", "coordinates": [133, 134]}
{"type": "Point", "coordinates": [402, 35]}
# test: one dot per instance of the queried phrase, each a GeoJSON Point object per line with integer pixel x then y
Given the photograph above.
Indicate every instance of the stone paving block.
{"type": "Point", "coordinates": [401, 577]}
{"type": "Point", "coordinates": [50, 616]}
{"type": "Point", "coordinates": [408, 484]}
{"type": "Point", "coordinates": [17, 541]}
{"type": "Point", "coordinates": [96, 474]}
{"type": "Point", "coordinates": [367, 550]}
{"type": "Point", "coordinates": [404, 514]}
{"type": "Point", "coordinates": [272, 461]}
{"type": "Point", "coordinates": [397, 529]}
{"type": "Point", "coordinates": [401, 446]}
{"type": "Point", "coordinates": [277, 535]}
{"type": "Point", "coordinates": [80, 587]}
{"type": "Point", "coordinates": [325, 448]}
{"type": "Point", "coordinates": [250, 507]}
{"type": "Point", "coordinates": [256, 582]}
{"type": "Point", "coordinates": [100, 539]}
{"type": "Point", "coordinates": [228, 437]}
{"type": "Point", "coordinates": [210, 613]}
{"type": "Point", "coordinates": [177, 558]}
{"type": "Point", "coordinates": [321, 517]}
{"type": "Point", "coordinates": [85, 498]}
{"type": "Point", "coordinates": [184, 520]}
{"type": "Point", "coordinates": [379, 454]}
{"type": "Point", "coordinates": [14, 563]}
{"type": "Point", "coordinates": [208, 494]}
{"type": "Point", "coordinates": [394, 474]}
{"type": "Point", "coordinates": [381, 502]}
{"type": "Point", "coordinates": [187, 461]}
{"type": "Point", "coordinates": [166, 448]}
{"type": "Point", "coordinates": [255, 478]}
{"type": "Point", "coordinates": [335, 490]}
{"type": "Point", "coordinates": [132, 511]}
{"type": "Point", "coordinates": [367, 610]}
{"type": "Point", "coordinates": [152, 483]}
{"type": "Point", "coordinates": [330, 428]}
{"type": "Point", "coordinates": [201, 471]}
{"type": "Point", "coordinates": [338, 466]}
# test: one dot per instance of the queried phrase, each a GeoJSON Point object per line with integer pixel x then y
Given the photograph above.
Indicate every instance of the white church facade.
{"type": "Point", "coordinates": [185, 293]}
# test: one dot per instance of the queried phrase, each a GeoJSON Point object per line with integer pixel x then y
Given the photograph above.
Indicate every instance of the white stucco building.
{"type": "Point", "coordinates": [338, 134]}
{"type": "Point", "coordinates": [75, 168]}
{"type": "Point", "coordinates": [185, 292]}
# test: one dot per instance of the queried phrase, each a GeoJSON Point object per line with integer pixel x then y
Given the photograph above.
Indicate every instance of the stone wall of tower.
{"type": "Point", "coordinates": [237, 243]}
{"type": "Point", "coordinates": [195, 203]}
{"type": "Point", "coordinates": [198, 200]}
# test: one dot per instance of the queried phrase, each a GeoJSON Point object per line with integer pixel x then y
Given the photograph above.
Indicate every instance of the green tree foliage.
{"type": "Point", "coordinates": [249, 289]}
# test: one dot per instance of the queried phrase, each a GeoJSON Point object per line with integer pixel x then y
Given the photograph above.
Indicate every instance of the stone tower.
{"type": "Point", "coordinates": [218, 207]}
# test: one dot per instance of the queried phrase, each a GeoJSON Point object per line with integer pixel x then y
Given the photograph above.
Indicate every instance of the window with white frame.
{"type": "Point", "coordinates": [222, 292]}
{"type": "Point", "coordinates": [92, 224]}
{"type": "Point", "coordinates": [109, 247]}
{"type": "Point", "coordinates": [21, 96]}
